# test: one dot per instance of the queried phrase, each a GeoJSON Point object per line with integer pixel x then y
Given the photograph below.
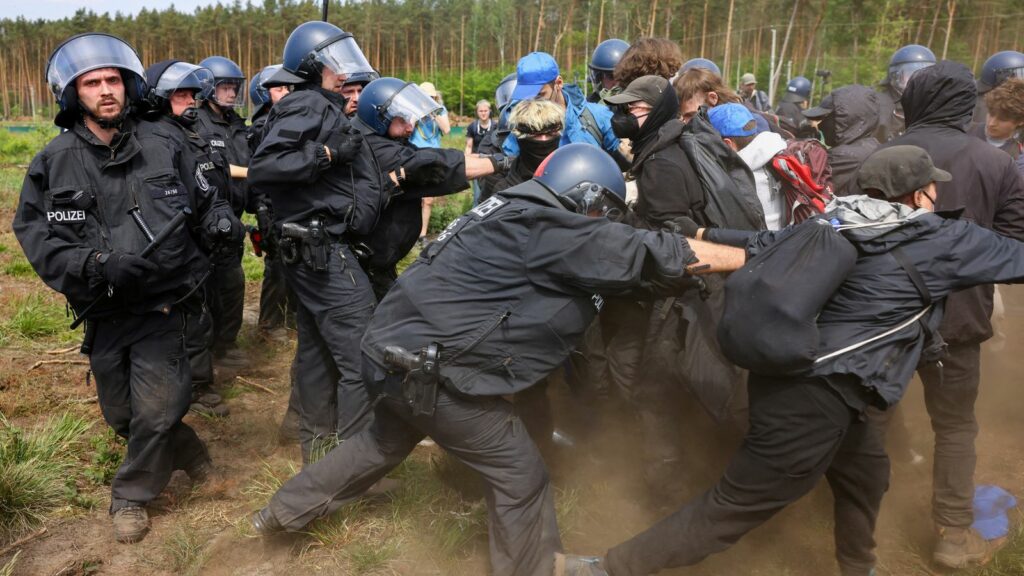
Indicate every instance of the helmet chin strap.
{"type": "Point", "coordinates": [187, 118]}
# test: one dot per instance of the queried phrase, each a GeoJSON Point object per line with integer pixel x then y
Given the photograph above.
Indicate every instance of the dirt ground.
{"type": "Point", "coordinates": [600, 492]}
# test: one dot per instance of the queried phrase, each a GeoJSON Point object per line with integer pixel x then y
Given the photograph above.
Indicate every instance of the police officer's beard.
{"type": "Point", "coordinates": [114, 123]}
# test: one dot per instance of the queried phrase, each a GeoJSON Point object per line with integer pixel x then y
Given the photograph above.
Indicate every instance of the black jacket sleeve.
{"type": "Point", "coordinates": [290, 152]}
{"type": "Point", "coordinates": [668, 188]}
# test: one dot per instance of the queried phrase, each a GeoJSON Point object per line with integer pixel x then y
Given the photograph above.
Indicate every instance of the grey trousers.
{"type": "Point", "coordinates": [484, 434]}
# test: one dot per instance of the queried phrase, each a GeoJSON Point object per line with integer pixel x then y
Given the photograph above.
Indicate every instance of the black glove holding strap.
{"type": "Point", "coordinates": [344, 145]}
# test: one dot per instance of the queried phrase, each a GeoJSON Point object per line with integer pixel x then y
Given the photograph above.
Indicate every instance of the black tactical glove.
{"type": "Point", "coordinates": [501, 163]}
{"type": "Point", "coordinates": [224, 229]}
{"type": "Point", "coordinates": [683, 225]}
{"type": "Point", "coordinates": [344, 146]}
{"type": "Point", "coordinates": [121, 270]}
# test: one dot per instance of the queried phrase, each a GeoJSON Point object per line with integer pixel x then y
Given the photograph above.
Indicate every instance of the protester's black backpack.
{"type": "Point", "coordinates": [769, 325]}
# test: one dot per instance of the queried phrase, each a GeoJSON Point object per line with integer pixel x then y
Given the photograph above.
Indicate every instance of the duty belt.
{"type": "Point", "coordinates": [312, 243]}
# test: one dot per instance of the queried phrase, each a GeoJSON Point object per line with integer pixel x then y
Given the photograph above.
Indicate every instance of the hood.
{"type": "Point", "coordinates": [534, 191]}
{"type": "Point", "coordinates": [762, 149]}
{"type": "Point", "coordinates": [940, 95]}
{"type": "Point", "coordinates": [664, 112]}
{"type": "Point", "coordinates": [875, 225]}
{"type": "Point", "coordinates": [574, 98]}
{"type": "Point", "coordinates": [855, 114]}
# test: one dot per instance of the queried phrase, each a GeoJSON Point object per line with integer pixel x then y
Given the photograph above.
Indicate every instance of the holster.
{"type": "Point", "coordinates": [422, 376]}
{"type": "Point", "coordinates": [289, 250]}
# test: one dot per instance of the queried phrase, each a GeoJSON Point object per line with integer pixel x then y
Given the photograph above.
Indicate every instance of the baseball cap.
{"type": "Point", "coordinates": [748, 78]}
{"type": "Point", "coordinates": [824, 108]}
{"type": "Point", "coordinates": [729, 119]}
{"type": "Point", "coordinates": [899, 170]}
{"type": "Point", "coordinates": [532, 72]}
{"type": "Point", "coordinates": [644, 89]}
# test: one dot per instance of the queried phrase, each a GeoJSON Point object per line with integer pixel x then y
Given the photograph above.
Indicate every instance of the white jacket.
{"type": "Point", "coordinates": [757, 155]}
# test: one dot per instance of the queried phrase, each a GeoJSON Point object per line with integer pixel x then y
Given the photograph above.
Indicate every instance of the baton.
{"type": "Point", "coordinates": [153, 245]}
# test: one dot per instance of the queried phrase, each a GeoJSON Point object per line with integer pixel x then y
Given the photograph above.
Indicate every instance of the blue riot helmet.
{"type": "Point", "coordinates": [363, 78]}
{"type": "Point", "coordinates": [85, 53]}
{"type": "Point", "coordinates": [313, 45]}
{"type": "Point", "coordinates": [385, 99]}
{"type": "Point", "coordinates": [700, 63]}
{"type": "Point", "coordinates": [503, 94]}
{"type": "Point", "coordinates": [1000, 67]}
{"type": "Point", "coordinates": [225, 73]}
{"type": "Point", "coordinates": [904, 63]}
{"type": "Point", "coordinates": [259, 94]}
{"type": "Point", "coordinates": [798, 90]}
{"type": "Point", "coordinates": [167, 77]}
{"type": "Point", "coordinates": [586, 180]}
{"type": "Point", "coordinates": [603, 61]}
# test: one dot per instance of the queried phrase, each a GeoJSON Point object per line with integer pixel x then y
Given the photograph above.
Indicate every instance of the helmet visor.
{"type": "Point", "coordinates": [899, 75]}
{"type": "Point", "coordinates": [1007, 73]}
{"type": "Point", "coordinates": [227, 93]}
{"type": "Point", "coordinates": [595, 200]}
{"type": "Point", "coordinates": [503, 95]}
{"type": "Point", "coordinates": [85, 54]}
{"type": "Point", "coordinates": [412, 104]}
{"type": "Point", "coordinates": [344, 57]}
{"type": "Point", "coordinates": [182, 75]}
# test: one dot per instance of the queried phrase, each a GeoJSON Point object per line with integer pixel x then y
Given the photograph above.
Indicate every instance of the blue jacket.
{"type": "Point", "coordinates": [426, 133]}
{"type": "Point", "coordinates": [574, 130]}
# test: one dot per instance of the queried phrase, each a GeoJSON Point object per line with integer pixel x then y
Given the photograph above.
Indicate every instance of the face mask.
{"type": "Point", "coordinates": [625, 125]}
{"type": "Point", "coordinates": [533, 152]}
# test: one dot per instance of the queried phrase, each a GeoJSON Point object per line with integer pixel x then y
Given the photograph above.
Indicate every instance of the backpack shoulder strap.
{"type": "Point", "coordinates": [915, 275]}
{"type": "Point", "coordinates": [589, 124]}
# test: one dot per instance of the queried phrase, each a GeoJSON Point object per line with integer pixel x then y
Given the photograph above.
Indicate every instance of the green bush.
{"type": "Point", "coordinates": [34, 316]}
{"type": "Point", "coordinates": [448, 208]}
{"type": "Point", "coordinates": [107, 454]}
{"type": "Point", "coordinates": [34, 470]}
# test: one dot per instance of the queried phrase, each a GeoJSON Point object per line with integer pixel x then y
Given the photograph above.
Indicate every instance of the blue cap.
{"type": "Point", "coordinates": [532, 72]}
{"type": "Point", "coordinates": [729, 119]}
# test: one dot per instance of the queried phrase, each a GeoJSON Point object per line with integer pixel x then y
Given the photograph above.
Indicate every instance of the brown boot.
{"type": "Point", "coordinates": [131, 524]}
{"type": "Point", "coordinates": [961, 547]}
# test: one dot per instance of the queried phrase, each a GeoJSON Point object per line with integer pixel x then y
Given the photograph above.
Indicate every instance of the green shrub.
{"type": "Point", "coordinates": [448, 208]}
{"type": "Point", "coordinates": [107, 453]}
{"type": "Point", "coordinates": [34, 316]}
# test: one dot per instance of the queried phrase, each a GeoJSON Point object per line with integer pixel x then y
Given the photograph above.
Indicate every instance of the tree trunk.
{"type": "Point", "coordinates": [814, 36]}
{"type": "Point", "coordinates": [935, 22]}
{"type": "Point", "coordinates": [949, 28]}
{"type": "Point", "coordinates": [704, 30]}
{"type": "Point", "coordinates": [728, 41]}
{"type": "Point", "coordinates": [785, 44]}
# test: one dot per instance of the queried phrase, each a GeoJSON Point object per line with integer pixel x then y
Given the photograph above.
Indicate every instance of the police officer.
{"type": "Point", "coordinates": [173, 88]}
{"type": "Point", "coordinates": [999, 67]}
{"type": "Point", "coordinates": [602, 69]}
{"type": "Point", "coordinates": [277, 303]}
{"type": "Point", "coordinates": [388, 110]}
{"type": "Point", "coordinates": [790, 110]}
{"type": "Point", "coordinates": [309, 145]}
{"type": "Point", "coordinates": [353, 87]}
{"type": "Point", "coordinates": [493, 305]}
{"type": "Point", "coordinates": [226, 132]}
{"type": "Point", "coordinates": [80, 220]}
{"type": "Point", "coordinates": [902, 65]}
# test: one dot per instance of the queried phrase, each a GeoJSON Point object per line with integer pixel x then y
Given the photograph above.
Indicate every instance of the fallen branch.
{"type": "Point", "coordinates": [64, 350]}
{"type": "Point", "coordinates": [43, 362]}
{"type": "Point", "coordinates": [254, 385]}
{"type": "Point", "coordinates": [22, 541]}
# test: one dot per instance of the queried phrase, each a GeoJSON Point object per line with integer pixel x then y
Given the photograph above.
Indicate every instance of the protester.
{"type": "Point", "coordinates": [847, 119]}
{"type": "Point", "coordinates": [1005, 117]}
{"type": "Point", "coordinates": [648, 57]}
{"type": "Point", "coordinates": [755, 98]}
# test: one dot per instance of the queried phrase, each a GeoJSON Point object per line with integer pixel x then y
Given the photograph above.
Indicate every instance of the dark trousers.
{"type": "Point", "coordinates": [800, 430]}
{"type": "Point", "coordinates": [334, 308]}
{"type": "Point", "coordinates": [484, 434]}
{"type": "Point", "coordinates": [277, 301]}
{"type": "Point", "coordinates": [198, 345]}
{"type": "Point", "coordinates": [144, 387]}
{"type": "Point", "coordinates": [949, 396]}
{"type": "Point", "coordinates": [227, 300]}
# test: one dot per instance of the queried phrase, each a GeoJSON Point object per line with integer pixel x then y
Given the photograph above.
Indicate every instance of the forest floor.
{"type": "Point", "coordinates": [425, 527]}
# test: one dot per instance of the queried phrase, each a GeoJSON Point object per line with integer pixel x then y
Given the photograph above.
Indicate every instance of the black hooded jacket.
{"type": "Point", "coordinates": [850, 131]}
{"type": "Point", "coordinates": [938, 103]}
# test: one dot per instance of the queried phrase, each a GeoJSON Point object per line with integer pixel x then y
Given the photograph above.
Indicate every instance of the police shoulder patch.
{"type": "Point", "coordinates": [487, 207]}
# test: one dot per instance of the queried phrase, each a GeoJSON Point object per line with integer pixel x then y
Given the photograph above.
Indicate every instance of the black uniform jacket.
{"type": "Point", "coordinates": [850, 129]}
{"type": "Point", "coordinates": [402, 219]}
{"type": "Point", "coordinates": [291, 166]}
{"type": "Point", "coordinates": [938, 103]}
{"type": "Point", "coordinates": [75, 201]}
{"type": "Point", "coordinates": [227, 135]}
{"type": "Point", "coordinates": [509, 288]}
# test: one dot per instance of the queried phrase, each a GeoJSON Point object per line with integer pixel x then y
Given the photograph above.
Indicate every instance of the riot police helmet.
{"type": "Point", "coordinates": [225, 73]}
{"type": "Point", "coordinates": [605, 57]}
{"type": "Point", "coordinates": [84, 53]}
{"type": "Point", "coordinates": [503, 94]}
{"type": "Point", "coordinates": [313, 45]}
{"type": "Point", "coordinates": [701, 63]}
{"type": "Point", "coordinates": [586, 180]}
{"type": "Point", "coordinates": [387, 98]}
{"type": "Point", "coordinates": [259, 93]}
{"type": "Point", "coordinates": [904, 63]}
{"type": "Point", "coordinates": [167, 77]}
{"type": "Point", "coordinates": [798, 89]}
{"type": "Point", "coordinates": [1000, 67]}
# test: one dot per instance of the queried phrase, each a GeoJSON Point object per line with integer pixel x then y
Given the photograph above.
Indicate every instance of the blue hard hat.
{"type": "Point", "coordinates": [585, 178]}
{"type": "Point", "coordinates": [313, 45]}
{"type": "Point", "coordinates": [226, 71]}
{"type": "Point", "coordinates": [800, 87]}
{"type": "Point", "coordinates": [701, 63]}
{"type": "Point", "coordinates": [999, 67]}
